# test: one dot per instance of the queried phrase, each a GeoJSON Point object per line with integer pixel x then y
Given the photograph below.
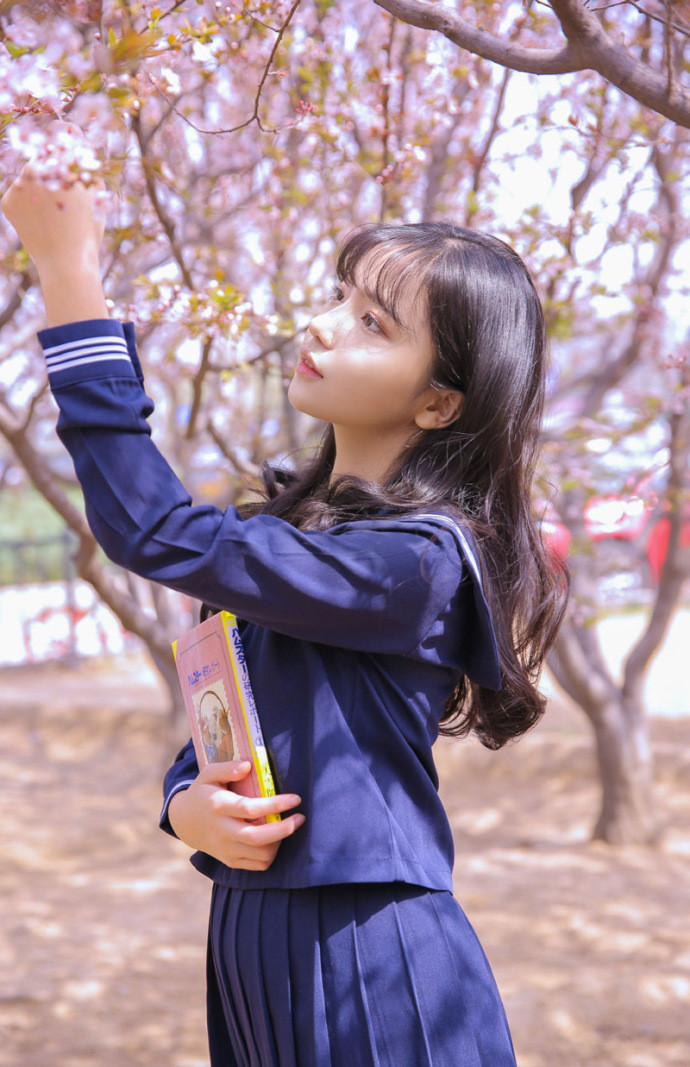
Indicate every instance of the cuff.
{"type": "Point", "coordinates": [164, 821]}
{"type": "Point", "coordinates": [94, 348]}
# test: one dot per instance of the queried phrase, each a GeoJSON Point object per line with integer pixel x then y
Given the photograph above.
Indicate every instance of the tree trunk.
{"type": "Point", "coordinates": [168, 672]}
{"type": "Point", "coordinates": [628, 814]}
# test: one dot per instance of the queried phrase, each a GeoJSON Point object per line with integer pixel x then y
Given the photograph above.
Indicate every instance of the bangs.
{"type": "Point", "coordinates": [388, 266]}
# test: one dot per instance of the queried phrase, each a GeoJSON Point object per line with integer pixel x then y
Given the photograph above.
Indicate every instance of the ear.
{"type": "Point", "coordinates": [441, 408]}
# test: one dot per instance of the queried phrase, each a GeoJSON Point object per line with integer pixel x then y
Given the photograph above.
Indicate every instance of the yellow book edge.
{"type": "Point", "coordinates": [260, 759]}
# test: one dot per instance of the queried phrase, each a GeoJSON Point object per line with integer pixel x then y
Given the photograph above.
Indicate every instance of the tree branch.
{"type": "Point", "coordinates": [599, 52]}
{"type": "Point", "coordinates": [668, 208]}
{"type": "Point", "coordinates": [433, 16]}
{"type": "Point", "coordinates": [572, 668]}
{"type": "Point", "coordinates": [674, 571]}
{"type": "Point", "coordinates": [89, 566]}
{"type": "Point", "coordinates": [243, 467]}
{"type": "Point", "coordinates": [163, 218]}
{"type": "Point", "coordinates": [197, 387]}
{"type": "Point", "coordinates": [677, 26]}
{"type": "Point", "coordinates": [587, 47]}
{"type": "Point", "coordinates": [491, 135]}
{"type": "Point", "coordinates": [15, 301]}
{"type": "Point", "coordinates": [254, 117]}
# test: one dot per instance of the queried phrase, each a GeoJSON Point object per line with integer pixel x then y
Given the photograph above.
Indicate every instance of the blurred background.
{"type": "Point", "coordinates": [239, 142]}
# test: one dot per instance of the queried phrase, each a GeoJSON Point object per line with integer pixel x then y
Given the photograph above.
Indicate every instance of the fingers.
{"type": "Point", "coordinates": [234, 805]}
{"type": "Point", "coordinates": [214, 819]}
{"type": "Point", "coordinates": [257, 807]}
{"type": "Point", "coordinates": [253, 848]}
{"type": "Point", "coordinates": [270, 833]}
{"type": "Point", "coordinates": [222, 773]}
{"type": "Point", "coordinates": [241, 807]}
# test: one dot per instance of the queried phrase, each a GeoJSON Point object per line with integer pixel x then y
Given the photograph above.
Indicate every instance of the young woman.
{"type": "Point", "coordinates": [395, 587]}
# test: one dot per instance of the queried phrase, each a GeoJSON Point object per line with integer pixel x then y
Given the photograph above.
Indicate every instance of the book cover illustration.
{"type": "Point", "coordinates": [222, 714]}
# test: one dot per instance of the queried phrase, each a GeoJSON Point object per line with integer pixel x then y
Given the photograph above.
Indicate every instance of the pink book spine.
{"type": "Point", "coordinates": [221, 709]}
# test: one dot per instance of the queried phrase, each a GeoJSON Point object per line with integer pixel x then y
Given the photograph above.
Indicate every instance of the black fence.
{"type": "Point", "coordinates": [36, 561]}
{"type": "Point", "coordinates": [40, 559]}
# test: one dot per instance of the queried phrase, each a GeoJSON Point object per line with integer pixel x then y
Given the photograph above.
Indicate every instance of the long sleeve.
{"type": "Point", "coordinates": [180, 776]}
{"type": "Point", "coordinates": [375, 587]}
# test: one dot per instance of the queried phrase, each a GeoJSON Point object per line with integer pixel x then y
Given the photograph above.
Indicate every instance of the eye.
{"type": "Point", "coordinates": [336, 294]}
{"type": "Point", "coordinates": [370, 323]}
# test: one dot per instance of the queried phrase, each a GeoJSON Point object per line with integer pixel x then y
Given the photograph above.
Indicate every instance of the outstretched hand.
{"type": "Point", "coordinates": [212, 818]}
{"type": "Point", "coordinates": [61, 229]}
{"type": "Point", "coordinates": [60, 226]}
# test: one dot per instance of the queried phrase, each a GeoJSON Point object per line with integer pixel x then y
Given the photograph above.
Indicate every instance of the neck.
{"type": "Point", "coordinates": [368, 456]}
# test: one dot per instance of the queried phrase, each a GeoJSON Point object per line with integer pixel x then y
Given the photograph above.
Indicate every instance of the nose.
{"type": "Point", "coordinates": [324, 326]}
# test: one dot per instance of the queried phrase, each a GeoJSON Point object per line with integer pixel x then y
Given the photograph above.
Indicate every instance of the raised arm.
{"type": "Point", "coordinates": [371, 587]}
{"type": "Point", "coordinates": [62, 231]}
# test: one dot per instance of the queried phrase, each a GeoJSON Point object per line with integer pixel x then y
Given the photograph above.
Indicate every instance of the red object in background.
{"type": "Point", "coordinates": [612, 517]}
{"type": "Point", "coordinates": [556, 538]}
{"type": "Point", "coordinates": [657, 545]}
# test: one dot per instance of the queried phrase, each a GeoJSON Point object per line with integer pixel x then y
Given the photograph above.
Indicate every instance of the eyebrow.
{"type": "Point", "coordinates": [371, 294]}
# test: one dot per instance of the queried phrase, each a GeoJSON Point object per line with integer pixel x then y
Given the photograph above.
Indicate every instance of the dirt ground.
{"type": "Point", "coordinates": [102, 929]}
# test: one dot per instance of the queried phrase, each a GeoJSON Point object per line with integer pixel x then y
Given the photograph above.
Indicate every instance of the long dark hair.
{"type": "Point", "coordinates": [488, 336]}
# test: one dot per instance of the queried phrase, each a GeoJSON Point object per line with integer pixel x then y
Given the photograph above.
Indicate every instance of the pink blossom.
{"type": "Point", "coordinates": [92, 111]}
{"type": "Point", "coordinates": [23, 31]}
{"type": "Point", "coordinates": [32, 75]}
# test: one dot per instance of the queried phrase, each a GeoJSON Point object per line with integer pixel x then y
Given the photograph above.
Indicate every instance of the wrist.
{"type": "Point", "coordinates": [56, 262]}
{"type": "Point", "coordinates": [177, 801]}
{"type": "Point", "coordinates": [72, 292]}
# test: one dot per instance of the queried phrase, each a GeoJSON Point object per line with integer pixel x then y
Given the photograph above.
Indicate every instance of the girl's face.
{"type": "Point", "coordinates": [361, 370]}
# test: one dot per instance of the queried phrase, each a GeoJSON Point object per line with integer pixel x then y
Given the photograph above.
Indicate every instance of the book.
{"type": "Point", "coordinates": [223, 719]}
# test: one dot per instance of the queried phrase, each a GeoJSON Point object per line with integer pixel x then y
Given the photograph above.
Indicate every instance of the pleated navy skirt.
{"type": "Point", "coordinates": [375, 975]}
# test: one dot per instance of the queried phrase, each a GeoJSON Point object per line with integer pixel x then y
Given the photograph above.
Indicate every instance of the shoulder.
{"type": "Point", "coordinates": [453, 540]}
{"type": "Point", "coordinates": [436, 528]}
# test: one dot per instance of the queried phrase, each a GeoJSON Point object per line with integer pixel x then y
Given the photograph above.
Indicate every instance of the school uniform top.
{"type": "Point", "coordinates": [354, 636]}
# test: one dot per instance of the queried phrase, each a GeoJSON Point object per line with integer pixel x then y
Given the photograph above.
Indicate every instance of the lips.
{"type": "Point", "coordinates": [306, 366]}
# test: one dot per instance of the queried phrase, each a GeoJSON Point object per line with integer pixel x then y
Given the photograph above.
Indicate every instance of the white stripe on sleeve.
{"type": "Point", "coordinates": [88, 350]}
{"type": "Point", "coordinates": [68, 364]}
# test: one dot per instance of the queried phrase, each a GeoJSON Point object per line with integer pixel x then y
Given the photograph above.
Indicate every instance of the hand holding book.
{"type": "Point", "coordinates": [222, 713]}
{"type": "Point", "coordinates": [230, 811]}
{"type": "Point", "coordinates": [213, 818]}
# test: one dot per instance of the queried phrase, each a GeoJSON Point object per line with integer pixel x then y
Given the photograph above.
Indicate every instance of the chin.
{"type": "Point", "coordinates": [301, 404]}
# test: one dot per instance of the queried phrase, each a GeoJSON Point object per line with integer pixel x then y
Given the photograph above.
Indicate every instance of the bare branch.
{"type": "Point", "coordinates": [171, 10]}
{"type": "Point", "coordinates": [668, 208]}
{"type": "Point", "coordinates": [163, 218]}
{"type": "Point", "coordinates": [254, 117]}
{"type": "Point", "coordinates": [243, 467]}
{"type": "Point", "coordinates": [89, 564]}
{"type": "Point", "coordinates": [276, 344]}
{"type": "Point", "coordinates": [572, 668]}
{"type": "Point", "coordinates": [14, 303]}
{"type": "Point", "coordinates": [599, 52]}
{"type": "Point", "coordinates": [250, 14]}
{"type": "Point", "coordinates": [440, 146]}
{"type": "Point", "coordinates": [433, 16]}
{"type": "Point", "coordinates": [673, 571]}
{"type": "Point", "coordinates": [40, 392]}
{"type": "Point", "coordinates": [165, 115]}
{"type": "Point", "coordinates": [197, 387]}
{"type": "Point", "coordinates": [491, 135]}
{"type": "Point", "coordinates": [587, 47]}
{"type": "Point", "coordinates": [595, 163]}
{"type": "Point", "coordinates": [677, 26]}
{"type": "Point", "coordinates": [668, 46]}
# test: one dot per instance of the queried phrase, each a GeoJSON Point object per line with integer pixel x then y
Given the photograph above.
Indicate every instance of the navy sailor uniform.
{"type": "Point", "coordinates": [350, 948]}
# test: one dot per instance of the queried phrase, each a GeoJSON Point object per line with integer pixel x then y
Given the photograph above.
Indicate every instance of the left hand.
{"type": "Point", "coordinates": [60, 228]}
